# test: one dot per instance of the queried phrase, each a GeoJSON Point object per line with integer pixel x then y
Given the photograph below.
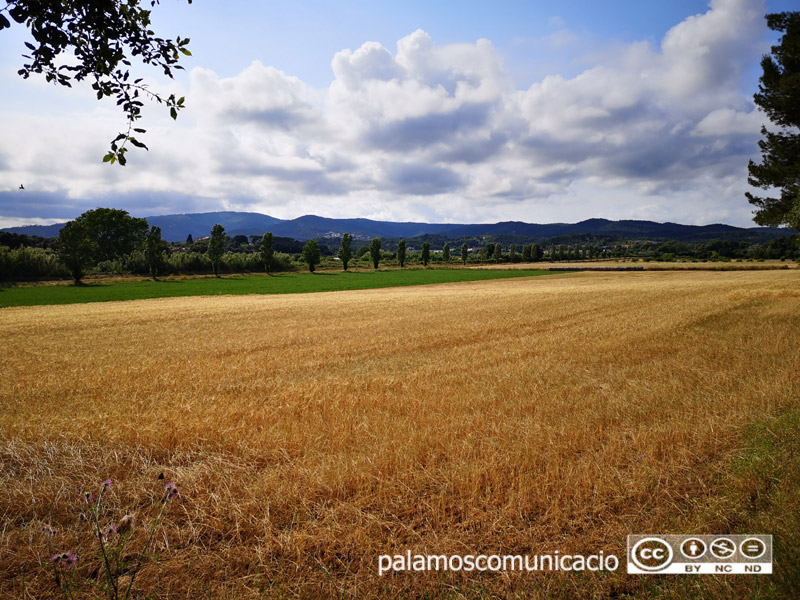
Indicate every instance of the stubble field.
{"type": "Point", "coordinates": [312, 433]}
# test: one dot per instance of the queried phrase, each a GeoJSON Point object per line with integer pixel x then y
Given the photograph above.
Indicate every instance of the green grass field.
{"type": "Point", "coordinates": [282, 283]}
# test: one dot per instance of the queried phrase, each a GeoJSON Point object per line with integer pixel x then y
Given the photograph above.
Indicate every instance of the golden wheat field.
{"type": "Point", "coordinates": [310, 434]}
{"type": "Point", "coordinates": [650, 265]}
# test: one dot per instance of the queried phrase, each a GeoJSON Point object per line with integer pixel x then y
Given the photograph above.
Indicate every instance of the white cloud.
{"type": "Point", "coordinates": [260, 94]}
{"type": "Point", "coordinates": [725, 122]}
{"type": "Point", "coordinates": [705, 53]}
{"type": "Point", "coordinates": [370, 62]}
{"type": "Point", "coordinates": [440, 131]}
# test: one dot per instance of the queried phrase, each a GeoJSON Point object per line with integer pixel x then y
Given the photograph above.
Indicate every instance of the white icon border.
{"type": "Point", "coordinates": [727, 539]}
{"type": "Point", "coordinates": [667, 563]}
{"type": "Point", "coordinates": [760, 541]}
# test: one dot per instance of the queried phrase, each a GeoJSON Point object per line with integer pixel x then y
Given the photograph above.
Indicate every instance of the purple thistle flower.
{"type": "Point", "coordinates": [171, 491]}
{"type": "Point", "coordinates": [108, 532]}
{"type": "Point", "coordinates": [88, 497]}
{"type": "Point", "coordinates": [67, 559]}
{"type": "Point", "coordinates": [106, 483]}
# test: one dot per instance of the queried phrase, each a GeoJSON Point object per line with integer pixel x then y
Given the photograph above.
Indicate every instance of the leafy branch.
{"type": "Point", "coordinates": [97, 40]}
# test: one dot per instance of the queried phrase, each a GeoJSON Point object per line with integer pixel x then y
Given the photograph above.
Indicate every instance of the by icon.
{"type": "Point", "coordinates": [693, 548]}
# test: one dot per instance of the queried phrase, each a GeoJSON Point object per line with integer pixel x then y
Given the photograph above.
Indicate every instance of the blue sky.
{"type": "Point", "coordinates": [301, 40]}
{"type": "Point", "coordinates": [446, 112]}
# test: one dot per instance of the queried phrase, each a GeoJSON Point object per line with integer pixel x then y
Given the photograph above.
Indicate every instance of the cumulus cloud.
{"type": "Point", "coordinates": [655, 119]}
{"type": "Point", "coordinates": [259, 95]}
{"type": "Point", "coordinates": [371, 62]}
{"type": "Point", "coordinates": [428, 131]}
{"type": "Point", "coordinates": [707, 52]}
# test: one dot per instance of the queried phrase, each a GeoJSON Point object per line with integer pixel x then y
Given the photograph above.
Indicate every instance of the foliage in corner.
{"type": "Point", "coordinates": [76, 40]}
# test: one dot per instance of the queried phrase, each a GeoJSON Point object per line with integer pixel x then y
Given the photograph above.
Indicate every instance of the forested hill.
{"type": "Point", "coordinates": [177, 227]}
{"type": "Point", "coordinates": [625, 229]}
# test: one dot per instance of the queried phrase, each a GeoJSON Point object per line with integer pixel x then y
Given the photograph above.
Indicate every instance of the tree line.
{"type": "Point", "coordinates": [110, 241]}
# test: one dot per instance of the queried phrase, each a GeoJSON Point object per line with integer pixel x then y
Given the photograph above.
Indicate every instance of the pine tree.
{"type": "Point", "coordinates": [779, 97]}
{"type": "Point", "coordinates": [464, 252]}
{"type": "Point", "coordinates": [446, 253]}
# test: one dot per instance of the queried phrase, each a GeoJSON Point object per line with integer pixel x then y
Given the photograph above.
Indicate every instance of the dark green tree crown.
{"type": "Point", "coordinates": [779, 97]}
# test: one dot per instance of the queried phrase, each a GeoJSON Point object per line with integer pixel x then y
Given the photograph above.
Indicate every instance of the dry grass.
{"type": "Point", "coordinates": [764, 265]}
{"type": "Point", "coordinates": [312, 433]}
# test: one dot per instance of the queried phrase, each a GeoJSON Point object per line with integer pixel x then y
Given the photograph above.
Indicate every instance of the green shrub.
{"type": "Point", "coordinates": [190, 263]}
{"type": "Point", "coordinates": [30, 264]}
{"type": "Point", "coordinates": [112, 267]}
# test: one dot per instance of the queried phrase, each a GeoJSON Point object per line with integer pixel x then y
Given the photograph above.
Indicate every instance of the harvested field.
{"type": "Point", "coordinates": [312, 433]}
{"type": "Point", "coordinates": [653, 265]}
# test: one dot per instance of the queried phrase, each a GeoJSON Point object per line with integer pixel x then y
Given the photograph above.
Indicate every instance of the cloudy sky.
{"type": "Point", "coordinates": [438, 112]}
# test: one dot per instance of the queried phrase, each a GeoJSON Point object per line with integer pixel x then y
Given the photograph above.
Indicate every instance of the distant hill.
{"type": "Point", "coordinates": [624, 229]}
{"type": "Point", "coordinates": [310, 227]}
{"type": "Point", "coordinates": [176, 228]}
{"type": "Point", "coordinates": [43, 231]}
